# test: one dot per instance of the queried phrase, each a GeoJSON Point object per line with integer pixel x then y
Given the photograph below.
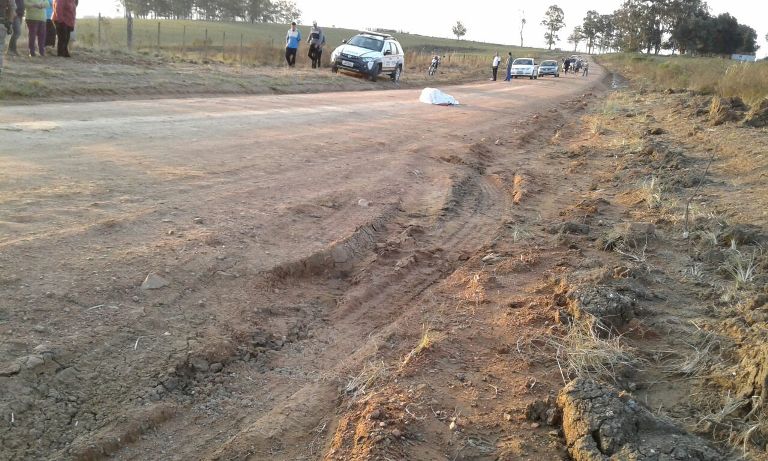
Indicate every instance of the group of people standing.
{"type": "Point", "coordinates": [316, 41]}
{"type": "Point", "coordinates": [49, 23]}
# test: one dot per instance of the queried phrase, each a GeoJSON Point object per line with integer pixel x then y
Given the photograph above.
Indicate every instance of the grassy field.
{"type": "Point", "coordinates": [721, 77]}
{"type": "Point", "coordinates": [263, 43]}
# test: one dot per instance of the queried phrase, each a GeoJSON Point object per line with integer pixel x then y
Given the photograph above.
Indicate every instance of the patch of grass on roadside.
{"type": "Point", "coordinates": [721, 77]}
{"type": "Point", "coordinates": [25, 89]}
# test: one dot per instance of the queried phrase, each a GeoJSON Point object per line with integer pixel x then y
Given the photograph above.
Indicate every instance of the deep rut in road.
{"type": "Point", "coordinates": [318, 320]}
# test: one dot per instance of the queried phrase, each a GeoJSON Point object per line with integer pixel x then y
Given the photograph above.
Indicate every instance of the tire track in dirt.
{"type": "Point", "coordinates": [376, 302]}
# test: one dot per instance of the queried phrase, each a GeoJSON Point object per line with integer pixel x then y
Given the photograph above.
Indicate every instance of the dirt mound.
{"type": "Point", "coordinates": [601, 424]}
{"type": "Point", "coordinates": [604, 304]}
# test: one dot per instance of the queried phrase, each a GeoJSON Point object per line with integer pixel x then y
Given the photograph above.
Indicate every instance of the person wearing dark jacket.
{"type": "Point", "coordinates": [64, 12]}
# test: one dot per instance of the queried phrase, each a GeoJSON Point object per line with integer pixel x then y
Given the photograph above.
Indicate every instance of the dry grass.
{"type": "Point", "coordinates": [720, 77]}
{"type": "Point", "coordinates": [590, 350]}
{"type": "Point", "coordinates": [742, 267]}
{"type": "Point", "coordinates": [651, 192]}
{"type": "Point", "coordinates": [427, 340]}
{"type": "Point", "coordinates": [706, 350]}
{"type": "Point", "coordinates": [361, 386]}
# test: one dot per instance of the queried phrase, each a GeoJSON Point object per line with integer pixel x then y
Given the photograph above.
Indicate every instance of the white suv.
{"type": "Point", "coordinates": [371, 54]}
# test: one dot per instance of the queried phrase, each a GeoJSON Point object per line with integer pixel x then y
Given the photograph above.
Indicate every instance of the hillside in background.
{"type": "Point", "coordinates": [172, 34]}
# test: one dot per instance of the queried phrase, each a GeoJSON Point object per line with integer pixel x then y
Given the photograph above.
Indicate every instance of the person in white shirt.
{"type": "Point", "coordinates": [495, 66]}
{"type": "Point", "coordinates": [292, 40]}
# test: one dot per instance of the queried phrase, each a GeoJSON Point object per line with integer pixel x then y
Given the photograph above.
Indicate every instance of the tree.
{"type": "Point", "coordinates": [522, 26]}
{"type": "Point", "coordinates": [590, 28]}
{"type": "Point", "coordinates": [554, 20]}
{"type": "Point", "coordinates": [459, 30]}
{"type": "Point", "coordinates": [576, 37]}
{"type": "Point", "coordinates": [285, 11]}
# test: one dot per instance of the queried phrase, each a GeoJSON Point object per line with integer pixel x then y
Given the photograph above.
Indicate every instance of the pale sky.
{"type": "Point", "coordinates": [494, 21]}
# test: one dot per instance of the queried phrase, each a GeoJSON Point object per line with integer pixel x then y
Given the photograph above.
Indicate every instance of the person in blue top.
{"type": "Point", "coordinates": [292, 40]}
{"type": "Point", "coordinates": [50, 29]}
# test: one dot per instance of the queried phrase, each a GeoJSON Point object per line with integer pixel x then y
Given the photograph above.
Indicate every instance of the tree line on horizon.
{"type": "Point", "coordinates": [277, 11]}
{"type": "Point", "coordinates": [680, 26]}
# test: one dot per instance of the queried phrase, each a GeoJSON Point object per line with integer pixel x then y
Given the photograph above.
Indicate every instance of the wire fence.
{"type": "Point", "coordinates": [243, 43]}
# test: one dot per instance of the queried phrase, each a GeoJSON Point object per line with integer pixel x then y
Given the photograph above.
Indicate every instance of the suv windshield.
{"type": "Point", "coordinates": [366, 42]}
{"type": "Point", "coordinates": [522, 62]}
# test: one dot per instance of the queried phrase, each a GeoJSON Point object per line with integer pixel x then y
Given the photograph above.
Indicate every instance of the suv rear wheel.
{"type": "Point", "coordinates": [397, 74]}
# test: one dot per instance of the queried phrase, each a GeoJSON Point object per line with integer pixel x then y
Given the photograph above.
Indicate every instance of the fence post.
{"type": "Point", "coordinates": [99, 32]}
{"type": "Point", "coordinates": [241, 52]}
{"type": "Point", "coordinates": [205, 46]}
{"type": "Point", "coordinates": [183, 40]}
{"type": "Point", "coordinates": [223, 45]}
{"type": "Point", "coordinates": [129, 28]}
{"type": "Point", "coordinates": [158, 35]}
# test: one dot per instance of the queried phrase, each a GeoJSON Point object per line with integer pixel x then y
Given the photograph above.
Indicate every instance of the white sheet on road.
{"type": "Point", "coordinates": [435, 96]}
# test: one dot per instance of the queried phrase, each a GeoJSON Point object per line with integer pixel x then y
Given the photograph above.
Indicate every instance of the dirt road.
{"type": "Point", "coordinates": [295, 240]}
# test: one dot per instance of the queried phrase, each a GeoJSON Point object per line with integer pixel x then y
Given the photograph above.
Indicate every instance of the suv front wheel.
{"type": "Point", "coordinates": [375, 72]}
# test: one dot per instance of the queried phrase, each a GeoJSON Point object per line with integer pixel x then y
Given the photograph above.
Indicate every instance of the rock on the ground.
{"type": "Point", "coordinates": [153, 282]}
{"type": "Point", "coordinates": [600, 424]}
{"type": "Point", "coordinates": [569, 228]}
{"type": "Point", "coordinates": [199, 364]}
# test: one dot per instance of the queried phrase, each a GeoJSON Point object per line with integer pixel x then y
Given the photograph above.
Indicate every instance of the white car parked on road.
{"type": "Point", "coordinates": [525, 67]}
{"type": "Point", "coordinates": [370, 54]}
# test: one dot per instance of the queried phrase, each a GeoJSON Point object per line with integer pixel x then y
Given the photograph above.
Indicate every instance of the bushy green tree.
{"type": "Point", "coordinates": [459, 30]}
{"type": "Point", "coordinates": [554, 21]}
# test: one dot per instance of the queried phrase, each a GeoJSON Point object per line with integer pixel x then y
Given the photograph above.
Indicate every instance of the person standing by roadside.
{"type": "Point", "coordinates": [292, 40]}
{"type": "Point", "coordinates": [509, 68]}
{"type": "Point", "coordinates": [495, 66]}
{"type": "Point", "coordinates": [64, 12]}
{"type": "Point", "coordinates": [34, 11]}
{"type": "Point", "coordinates": [586, 69]}
{"type": "Point", "coordinates": [7, 16]}
{"type": "Point", "coordinates": [50, 30]}
{"type": "Point", "coordinates": [16, 27]}
{"type": "Point", "coordinates": [316, 42]}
